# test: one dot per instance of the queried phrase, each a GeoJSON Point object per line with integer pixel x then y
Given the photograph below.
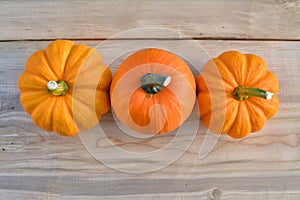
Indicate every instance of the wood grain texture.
{"type": "Point", "coordinates": [35, 164]}
{"type": "Point", "coordinates": [39, 20]}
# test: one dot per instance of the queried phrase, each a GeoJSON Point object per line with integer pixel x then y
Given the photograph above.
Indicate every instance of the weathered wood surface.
{"type": "Point", "coordinates": [31, 19]}
{"type": "Point", "coordinates": [35, 164]}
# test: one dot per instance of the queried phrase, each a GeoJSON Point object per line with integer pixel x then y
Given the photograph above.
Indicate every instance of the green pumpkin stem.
{"type": "Point", "coordinates": [243, 93]}
{"type": "Point", "coordinates": [59, 88]}
{"type": "Point", "coordinates": [153, 83]}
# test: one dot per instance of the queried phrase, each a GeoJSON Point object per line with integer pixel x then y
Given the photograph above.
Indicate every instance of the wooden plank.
{"type": "Point", "coordinates": [265, 165]}
{"type": "Point", "coordinates": [35, 20]}
{"type": "Point", "coordinates": [133, 188]}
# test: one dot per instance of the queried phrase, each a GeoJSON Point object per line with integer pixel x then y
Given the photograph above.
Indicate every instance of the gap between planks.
{"type": "Point", "coordinates": [138, 39]}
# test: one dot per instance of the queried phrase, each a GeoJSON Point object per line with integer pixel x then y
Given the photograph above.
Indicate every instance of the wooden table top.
{"type": "Point", "coordinates": [35, 164]}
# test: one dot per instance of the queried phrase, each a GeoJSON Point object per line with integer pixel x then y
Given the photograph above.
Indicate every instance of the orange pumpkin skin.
{"type": "Point", "coordinates": [153, 113]}
{"type": "Point", "coordinates": [241, 116]}
{"type": "Point", "coordinates": [80, 67]}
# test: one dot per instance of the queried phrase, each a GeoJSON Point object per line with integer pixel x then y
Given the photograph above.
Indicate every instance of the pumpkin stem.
{"type": "Point", "coordinates": [59, 88]}
{"type": "Point", "coordinates": [243, 93]}
{"type": "Point", "coordinates": [153, 83]}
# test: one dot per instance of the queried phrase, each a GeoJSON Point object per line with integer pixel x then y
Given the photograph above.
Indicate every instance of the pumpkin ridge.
{"type": "Point", "coordinates": [247, 116]}
{"type": "Point", "coordinates": [139, 105]}
{"type": "Point", "coordinates": [69, 104]}
{"type": "Point", "coordinates": [88, 121]}
{"type": "Point", "coordinates": [82, 57]}
{"type": "Point", "coordinates": [30, 68]}
{"type": "Point", "coordinates": [240, 122]}
{"type": "Point", "coordinates": [88, 71]}
{"type": "Point", "coordinates": [23, 79]}
{"type": "Point", "coordinates": [270, 78]}
{"type": "Point", "coordinates": [230, 105]}
{"type": "Point", "coordinates": [253, 82]}
{"type": "Point", "coordinates": [83, 103]}
{"type": "Point", "coordinates": [258, 112]}
{"type": "Point", "coordinates": [105, 85]}
{"type": "Point", "coordinates": [232, 81]}
{"type": "Point", "coordinates": [254, 76]}
{"type": "Point", "coordinates": [238, 76]}
{"type": "Point", "coordinates": [201, 99]}
{"type": "Point", "coordinates": [28, 95]}
{"type": "Point", "coordinates": [232, 126]}
{"type": "Point", "coordinates": [63, 64]}
{"type": "Point", "coordinates": [272, 107]}
{"type": "Point", "coordinates": [99, 95]}
{"type": "Point", "coordinates": [213, 86]}
{"type": "Point", "coordinates": [218, 109]}
{"type": "Point", "coordinates": [50, 67]}
{"type": "Point", "coordinates": [37, 76]}
{"type": "Point", "coordinates": [70, 128]}
{"type": "Point", "coordinates": [67, 59]}
{"type": "Point", "coordinates": [171, 107]}
{"type": "Point", "coordinates": [40, 107]}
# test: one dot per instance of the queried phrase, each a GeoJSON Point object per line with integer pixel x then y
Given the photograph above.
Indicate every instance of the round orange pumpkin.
{"type": "Point", "coordinates": [153, 91]}
{"type": "Point", "coordinates": [242, 88]}
{"type": "Point", "coordinates": [65, 87]}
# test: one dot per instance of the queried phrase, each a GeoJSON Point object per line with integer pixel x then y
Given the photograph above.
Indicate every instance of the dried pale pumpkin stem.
{"type": "Point", "coordinates": [243, 93]}
{"type": "Point", "coordinates": [57, 88]}
{"type": "Point", "coordinates": [153, 83]}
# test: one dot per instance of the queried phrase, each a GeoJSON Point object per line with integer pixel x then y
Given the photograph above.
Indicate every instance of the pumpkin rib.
{"type": "Point", "coordinates": [204, 99]}
{"type": "Point", "coordinates": [215, 83]}
{"type": "Point", "coordinates": [229, 116]}
{"type": "Point", "coordinates": [139, 108]}
{"type": "Point", "coordinates": [65, 124]}
{"type": "Point", "coordinates": [87, 78]}
{"type": "Point", "coordinates": [231, 112]}
{"type": "Point", "coordinates": [68, 59]}
{"type": "Point", "coordinates": [41, 117]}
{"type": "Point", "coordinates": [216, 106]}
{"type": "Point", "coordinates": [60, 61]}
{"type": "Point", "coordinates": [236, 70]}
{"type": "Point", "coordinates": [255, 74]}
{"type": "Point", "coordinates": [105, 81]}
{"type": "Point", "coordinates": [159, 56]}
{"type": "Point", "coordinates": [169, 106]}
{"type": "Point", "coordinates": [99, 105]}
{"type": "Point", "coordinates": [85, 116]}
{"type": "Point", "coordinates": [268, 108]}
{"type": "Point", "coordinates": [40, 68]}
{"type": "Point", "coordinates": [71, 73]}
{"type": "Point", "coordinates": [30, 99]}
{"type": "Point", "coordinates": [223, 70]}
{"type": "Point", "coordinates": [241, 125]}
{"type": "Point", "coordinates": [27, 78]}
{"type": "Point", "coordinates": [256, 124]}
{"type": "Point", "coordinates": [53, 71]}
{"type": "Point", "coordinates": [69, 103]}
{"type": "Point", "coordinates": [268, 77]}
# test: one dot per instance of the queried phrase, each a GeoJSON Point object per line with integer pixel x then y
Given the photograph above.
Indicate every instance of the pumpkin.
{"type": "Point", "coordinates": [65, 87]}
{"type": "Point", "coordinates": [153, 91]}
{"type": "Point", "coordinates": [244, 92]}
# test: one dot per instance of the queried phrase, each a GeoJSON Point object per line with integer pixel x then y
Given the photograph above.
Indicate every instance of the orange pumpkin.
{"type": "Point", "coordinates": [153, 91]}
{"type": "Point", "coordinates": [243, 89]}
{"type": "Point", "coordinates": [65, 87]}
